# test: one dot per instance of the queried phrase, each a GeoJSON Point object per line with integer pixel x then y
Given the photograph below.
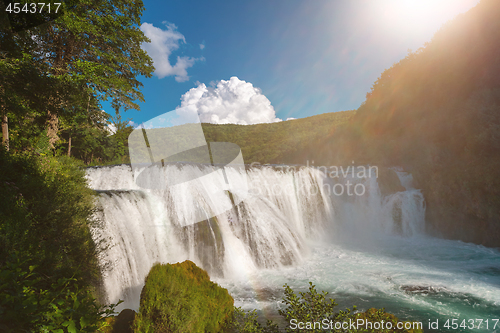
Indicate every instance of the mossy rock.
{"type": "Point", "coordinates": [181, 298]}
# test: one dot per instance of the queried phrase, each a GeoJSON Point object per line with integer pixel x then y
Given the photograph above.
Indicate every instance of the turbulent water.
{"type": "Point", "coordinates": [293, 226]}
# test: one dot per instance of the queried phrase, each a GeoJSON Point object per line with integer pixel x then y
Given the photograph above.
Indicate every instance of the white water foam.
{"type": "Point", "coordinates": [278, 226]}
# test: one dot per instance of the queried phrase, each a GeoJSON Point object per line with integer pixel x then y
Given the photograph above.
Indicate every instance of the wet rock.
{"type": "Point", "coordinates": [208, 244]}
{"type": "Point", "coordinates": [123, 322]}
{"type": "Point", "coordinates": [397, 217]}
{"type": "Point", "coordinates": [420, 289]}
{"type": "Point", "coordinates": [388, 182]}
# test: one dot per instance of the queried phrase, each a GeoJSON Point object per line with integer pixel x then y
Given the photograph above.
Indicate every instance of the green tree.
{"type": "Point", "coordinates": [122, 130]}
{"type": "Point", "coordinates": [24, 87]}
{"type": "Point", "coordinates": [22, 90]}
{"type": "Point", "coordinates": [48, 260]}
{"type": "Point", "coordinates": [94, 49]}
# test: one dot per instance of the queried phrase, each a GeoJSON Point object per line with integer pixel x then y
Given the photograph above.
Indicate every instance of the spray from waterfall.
{"type": "Point", "coordinates": [273, 226]}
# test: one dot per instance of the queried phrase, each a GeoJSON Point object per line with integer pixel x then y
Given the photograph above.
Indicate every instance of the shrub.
{"type": "Point", "coordinates": [181, 298]}
{"type": "Point", "coordinates": [314, 307]}
{"type": "Point", "coordinates": [379, 315]}
{"type": "Point", "coordinates": [48, 260]}
{"type": "Point", "coordinates": [247, 322]}
{"type": "Point", "coordinates": [311, 306]}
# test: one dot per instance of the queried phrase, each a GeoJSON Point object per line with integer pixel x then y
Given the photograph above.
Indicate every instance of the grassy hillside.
{"type": "Point", "coordinates": [282, 142]}
{"type": "Point", "coordinates": [437, 114]}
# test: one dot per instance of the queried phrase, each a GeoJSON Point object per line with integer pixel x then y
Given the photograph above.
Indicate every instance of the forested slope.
{"type": "Point", "coordinates": [283, 142]}
{"type": "Point", "coordinates": [437, 114]}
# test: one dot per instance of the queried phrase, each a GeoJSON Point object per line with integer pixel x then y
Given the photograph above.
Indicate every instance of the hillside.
{"type": "Point", "coordinates": [282, 142]}
{"type": "Point", "coordinates": [436, 113]}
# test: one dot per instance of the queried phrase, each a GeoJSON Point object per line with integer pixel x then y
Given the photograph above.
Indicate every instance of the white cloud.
{"type": "Point", "coordinates": [163, 43]}
{"type": "Point", "coordinates": [227, 102]}
{"type": "Point", "coordinates": [133, 124]}
{"type": "Point", "coordinates": [202, 46]}
{"type": "Point", "coordinates": [111, 128]}
{"type": "Point", "coordinates": [291, 118]}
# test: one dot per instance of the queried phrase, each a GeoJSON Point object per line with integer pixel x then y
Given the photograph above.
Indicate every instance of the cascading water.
{"type": "Point", "coordinates": [293, 227]}
{"type": "Point", "coordinates": [267, 230]}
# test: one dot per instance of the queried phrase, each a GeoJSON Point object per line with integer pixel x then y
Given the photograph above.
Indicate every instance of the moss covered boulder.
{"type": "Point", "coordinates": [181, 298]}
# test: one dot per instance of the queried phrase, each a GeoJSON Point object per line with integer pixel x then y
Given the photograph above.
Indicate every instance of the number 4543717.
{"type": "Point", "coordinates": [33, 7]}
{"type": "Point", "coordinates": [471, 323]}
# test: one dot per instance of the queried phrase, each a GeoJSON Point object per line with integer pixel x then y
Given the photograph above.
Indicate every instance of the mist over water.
{"type": "Point", "coordinates": [366, 250]}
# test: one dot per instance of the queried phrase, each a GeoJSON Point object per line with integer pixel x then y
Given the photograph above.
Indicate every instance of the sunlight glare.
{"type": "Point", "coordinates": [415, 17]}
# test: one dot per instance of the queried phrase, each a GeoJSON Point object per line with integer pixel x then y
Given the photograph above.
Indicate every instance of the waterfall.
{"type": "Point", "coordinates": [372, 214]}
{"type": "Point", "coordinates": [273, 226]}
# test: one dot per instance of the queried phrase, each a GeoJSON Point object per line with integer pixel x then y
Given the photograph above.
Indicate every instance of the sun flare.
{"type": "Point", "coordinates": [417, 16]}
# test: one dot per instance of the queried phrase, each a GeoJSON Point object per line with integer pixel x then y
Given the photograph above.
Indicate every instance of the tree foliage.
{"type": "Point", "coordinates": [75, 61]}
{"type": "Point", "coordinates": [55, 70]}
{"type": "Point", "coordinates": [282, 142]}
{"type": "Point", "coordinates": [48, 261]}
{"type": "Point", "coordinates": [315, 307]}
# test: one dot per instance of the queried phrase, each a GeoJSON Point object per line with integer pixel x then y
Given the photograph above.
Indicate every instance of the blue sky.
{"type": "Point", "coordinates": [306, 57]}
